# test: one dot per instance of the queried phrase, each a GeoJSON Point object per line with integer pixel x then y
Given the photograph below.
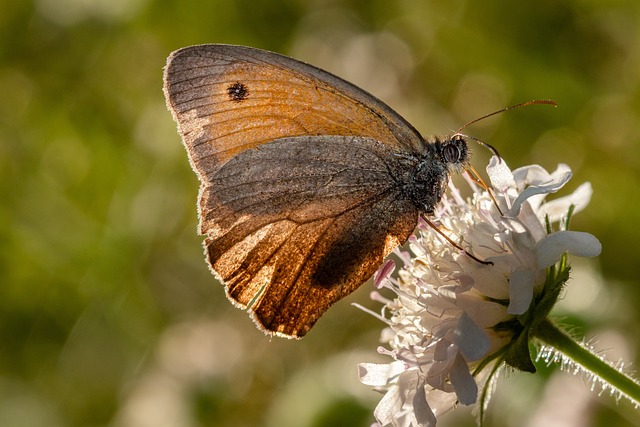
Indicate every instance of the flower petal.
{"type": "Point", "coordinates": [463, 382]}
{"type": "Point", "coordinates": [378, 375]}
{"type": "Point", "coordinates": [520, 291]}
{"type": "Point", "coordinates": [530, 175]}
{"type": "Point", "coordinates": [500, 174]}
{"type": "Point", "coordinates": [558, 208]}
{"type": "Point", "coordinates": [532, 222]}
{"type": "Point", "coordinates": [441, 350]}
{"type": "Point", "coordinates": [383, 273]}
{"type": "Point", "coordinates": [424, 415]}
{"type": "Point", "coordinates": [441, 401]}
{"type": "Point", "coordinates": [470, 339]}
{"type": "Point", "coordinates": [550, 248]}
{"type": "Point", "coordinates": [389, 406]}
{"type": "Point", "coordinates": [558, 180]}
{"type": "Point", "coordinates": [536, 175]}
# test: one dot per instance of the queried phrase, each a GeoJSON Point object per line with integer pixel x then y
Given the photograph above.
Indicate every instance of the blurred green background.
{"type": "Point", "coordinates": [108, 313]}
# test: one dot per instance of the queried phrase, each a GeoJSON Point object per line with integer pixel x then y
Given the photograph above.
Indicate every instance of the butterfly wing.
{"type": "Point", "coordinates": [289, 245]}
{"type": "Point", "coordinates": [227, 99]}
{"type": "Point", "coordinates": [299, 223]}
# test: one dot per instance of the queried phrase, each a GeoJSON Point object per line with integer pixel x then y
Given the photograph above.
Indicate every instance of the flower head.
{"type": "Point", "coordinates": [454, 317]}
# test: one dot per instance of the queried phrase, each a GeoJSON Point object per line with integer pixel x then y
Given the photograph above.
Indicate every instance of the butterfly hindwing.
{"type": "Point", "coordinates": [295, 225]}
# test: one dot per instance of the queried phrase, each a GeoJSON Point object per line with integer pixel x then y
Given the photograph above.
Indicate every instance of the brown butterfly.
{"type": "Point", "coordinates": [307, 181]}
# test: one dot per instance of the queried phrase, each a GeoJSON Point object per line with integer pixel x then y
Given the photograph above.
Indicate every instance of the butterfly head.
{"type": "Point", "coordinates": [454, 152]}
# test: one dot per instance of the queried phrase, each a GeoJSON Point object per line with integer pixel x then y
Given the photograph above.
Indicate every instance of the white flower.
{"type": "Point", "coordinates": [453, 316]}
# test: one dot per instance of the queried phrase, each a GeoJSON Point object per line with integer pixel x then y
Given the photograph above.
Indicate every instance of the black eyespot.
{"type": "Point", "coordinates": [238, 92]}
{"type": "Point", "coordinates": [451, 153]}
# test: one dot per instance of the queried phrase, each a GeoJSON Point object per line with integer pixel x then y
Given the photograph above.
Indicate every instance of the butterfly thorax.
{"type": "Point", "coordinates": [429, 170]}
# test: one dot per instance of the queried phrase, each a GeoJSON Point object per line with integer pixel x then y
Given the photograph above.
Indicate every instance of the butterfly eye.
{"type": "Point", "coordinates": [451, 153]}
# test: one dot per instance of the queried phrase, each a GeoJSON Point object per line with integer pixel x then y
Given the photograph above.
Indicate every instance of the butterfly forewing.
{"type": "Point", "coordinates": [227, 99]}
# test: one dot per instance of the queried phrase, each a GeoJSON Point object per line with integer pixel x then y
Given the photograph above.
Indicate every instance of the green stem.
{"type": "Point", "coordinates": [551, 335]}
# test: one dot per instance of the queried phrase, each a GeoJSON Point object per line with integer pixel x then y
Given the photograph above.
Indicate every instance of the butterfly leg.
{"type": "Point", "coordinates": [475, 177]}
{"type": "Point", "coordinates": [454, 244]}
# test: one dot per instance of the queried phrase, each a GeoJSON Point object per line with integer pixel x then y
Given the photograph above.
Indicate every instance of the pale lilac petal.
{"type": "Point", "coordinates": [484, 313]}
{"type": "Point", "coordinates": [530, 175]}
{"type": "Point", "coordinates": [438, 372]}
{"type": "Point", "coordinates": [389, 406]}
{"type": "Point", "coordinates": [378, 375]}
{"type": "Point", "coordinates": [550, 249]}
{"type": "Point", "coordinates": [558, 208]}
{"type": "Point", "coordinates": [383, 273]}
{"type": "Point", "coordinates": [441, 350]}
{"type": "Point", "coordinates": [537, 199]}
{"type": "Point", "coordinates": [407, 383]}
{"type": "Point", "coordinates": [442, 328]}
{"type": "Point", "coordinates": [560, 171]}
{"type": "Point", "coordinates": [557, 182]}
{"type": "Point", "coordinates": [424, 415]}
{"type": "Point", "coordinates": [500, 174]}
{"type": "Point", "coordinates": [520, 291]}
{"type": "Point", "coordinates": [532, 222]}
{"type": "Point", "coordinates": [470, 339]}
{"type": "Point", "coordinates": [441, 401]}
{"type": "Point", "coordinates": [463, 382]}
{"type": "Point", "coordinates": [537, 175]}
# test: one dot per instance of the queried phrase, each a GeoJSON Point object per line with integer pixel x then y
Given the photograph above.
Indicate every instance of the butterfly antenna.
{"type": "Point", "coordinates": [490, 147]}
{"type": "Point", "coordinates": [473, 174]}
{"type": "Point", "coordinates": [522, 104]}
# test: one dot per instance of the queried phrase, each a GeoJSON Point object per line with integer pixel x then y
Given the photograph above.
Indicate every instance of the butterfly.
{"type": "Point", "coordinates": [307, 182]}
